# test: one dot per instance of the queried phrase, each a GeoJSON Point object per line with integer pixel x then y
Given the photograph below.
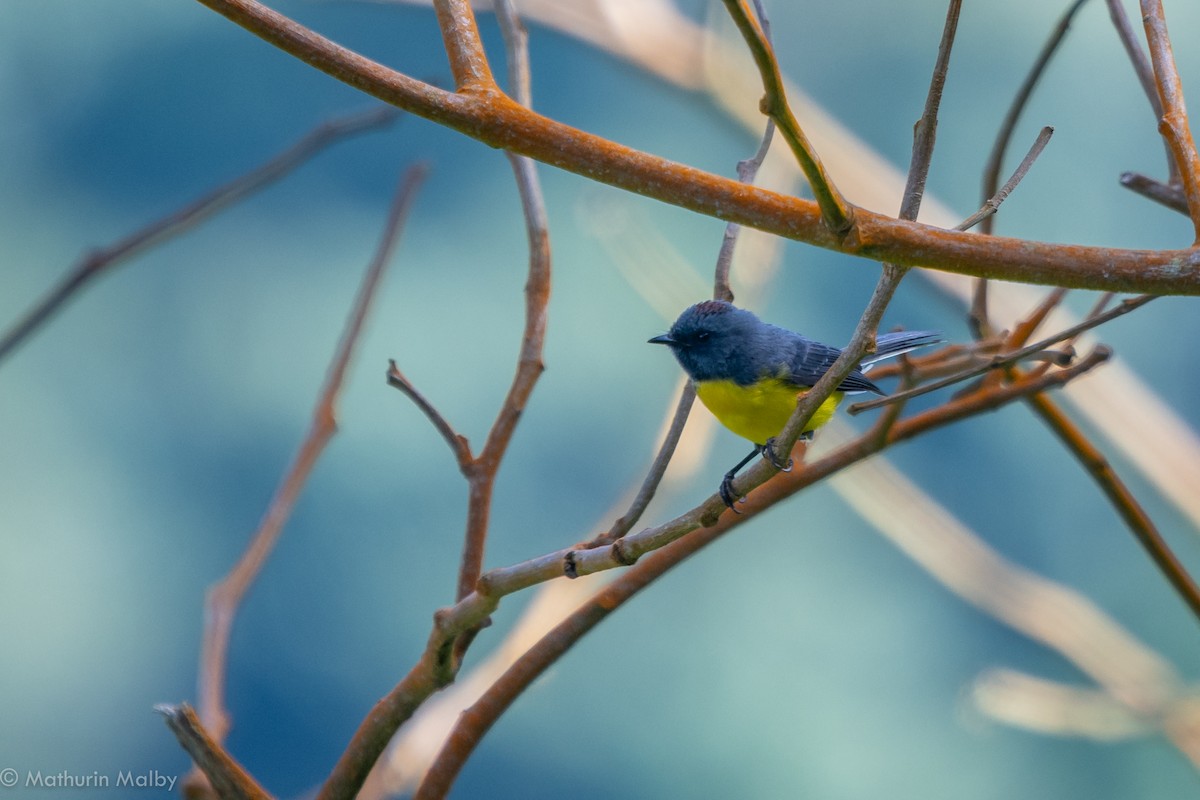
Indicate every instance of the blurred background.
{"type": "Point", "coordinates": [144, 430]}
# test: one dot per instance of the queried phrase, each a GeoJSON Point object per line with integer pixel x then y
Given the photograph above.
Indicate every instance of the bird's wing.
{"type": "Point", "coordinates": [811, 359]}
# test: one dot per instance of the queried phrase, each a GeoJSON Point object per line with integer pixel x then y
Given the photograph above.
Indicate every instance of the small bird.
{"type": "Point", "coordinates": [750, 373]}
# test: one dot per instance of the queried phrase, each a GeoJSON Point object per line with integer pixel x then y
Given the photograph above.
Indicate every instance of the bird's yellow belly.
{"type": "Point", "coordinates": [759, 411]}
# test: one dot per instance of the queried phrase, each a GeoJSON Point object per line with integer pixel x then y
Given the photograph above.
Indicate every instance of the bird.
{"type": "Point", "coordinates": [750, 373]}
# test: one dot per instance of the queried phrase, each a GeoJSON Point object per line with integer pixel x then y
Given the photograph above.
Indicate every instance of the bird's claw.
{"type": "Point", "coordinates": [768, 452]}
{"type": "Point", "coordinates": [728, 496]}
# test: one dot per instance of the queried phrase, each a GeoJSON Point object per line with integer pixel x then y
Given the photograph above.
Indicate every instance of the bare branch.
{"type": "Point", "coordinates": [1143, 70]}
{"type": "Point", "coordinates": [498, 121]}
{"type": "Point", "coordinates": [225, 597]}
{"type": "Point", "coordinates": [925, 131]}
{"type": "Point", "coordinates": [837, 213]}
{"type": "Point", "coordinates": [978, 317]}
{"type": "Point", "coordinates": [458, 443]}
{"type": "Point", "coordinates": [992, 204]}
{"type": "Point", "coordinates": [460, 35]}
{"type": "Point", "coordinates": [1006, 359]}
{"type": "Point", "coordinates": [224, 775]}
{"type": "Point", "coordinates": [1174, 124]}
{"type": "Point", "coordinates": [104, 259]}
{"type": "Point", "coordinates": [1123, 500]}
{"type": "Point", "coordinates": [1165, 194]}
{"type": "Point", "coordinates": [482, 475]}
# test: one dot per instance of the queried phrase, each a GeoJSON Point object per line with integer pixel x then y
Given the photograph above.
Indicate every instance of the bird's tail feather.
{"type": "Point", "coordinates": [889, 345]}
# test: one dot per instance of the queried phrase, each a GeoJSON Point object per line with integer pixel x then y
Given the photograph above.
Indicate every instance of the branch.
{"type": "Point", "coordinates": [1005, 360]}
{"type": "Point", "coordinates": [225, 597]}
{"type": "Point", "coordinates": [1144, 72]}
{"type": "Point", "coordinates": [992, 204]}
{"type": "Point", "coordinates": [925, 131]}
{"type": "Point", "coordinates": [477, 720]}
{"type": "Point", "coordinates": [482, 476]}
{"type": "Point", "coordinates": [435, 669]}
{"type": "Point", "coordinates": [1165, 194]}
{"type": "Point", "coordinates": [863, 338]}
{"type": "Point", "coordinates": [978, 317]}
{"type": "Point", "coordinates": [225, 776]}
{"type": "Point", "coordinates": [1123, 500]}
{"type": "Point", "coordinates": [460, 35]}
{"type": "Point", "coordinates": [458, 443]}
{"type": "Point", "coordinates": [498, 121]}
{"type": "Point", "coordinates": [105, 259]}
{"type": "Point", "coordinates": [837, 213]}
{"type": "Point", "coordinates": [1174, 123]}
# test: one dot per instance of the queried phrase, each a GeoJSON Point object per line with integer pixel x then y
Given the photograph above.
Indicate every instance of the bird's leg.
{"type": "Point", "coordinates": [726, 490]}
{"type": "Point", "coordinates": [768, 452]}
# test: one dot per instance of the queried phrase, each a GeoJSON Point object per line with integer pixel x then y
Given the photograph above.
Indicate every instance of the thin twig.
{"type": "Point", "coordinates": [1026, 327]}
{"type": "Point", "coordinates": [482, 475]}
{"type": "Point", "coordinates": [1137, 56]}
{"type": "Point", "coordinates": [1144, 72]}
{"type": "Point", "coordinates": [836, 211]}
{"type": "Point", "coordinates": [654, 476]}
{"type": "Point", "coordinates": [747, 171]}
{"type": "Point", "coordinates": [1006, 359]}
{"type": "Point", "coordinates": [992, 204]}
{"type": "Point", "coordinates": [1174, 124]}
{"type": "Point", "coordinates": [225, 597]}
{"type": "Point", "coordinates": [458, 443]}
{"type": "Point", "coordinates": [227, 779]}
{"type": "Point", "coordinates": [1123, 500]}
{"type": "Point", "coordinates": [978, 316]}
{"type": "Point", "coordinates": [105, 259]}
{"type": "Point", "coordinates": [1165, 194]}
{"type": "Point", "coordinates": [925, 130]}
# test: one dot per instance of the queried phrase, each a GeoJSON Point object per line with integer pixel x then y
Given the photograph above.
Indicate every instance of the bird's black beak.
{"type": "Point", "coordinates": [664, 339]}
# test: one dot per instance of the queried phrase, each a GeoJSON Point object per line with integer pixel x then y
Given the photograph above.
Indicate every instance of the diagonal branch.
{"type": "Point", "coordinates": [837, 213]}
{"type": "Point", "coordinates": [225, 597]}
{"type": "Point", "coordinates": [482, 475]}
{"type": "Point", "coordinates": [435, 669]}
{"type": "Point", "coordinates": [1123, 500]}
{"type": "Point", "coordinates": [978, 317]}
{"type": "Point", "coordinates": [226, 777]}
{"type": "Point", "coordinates": [1174, 124]}
{"type": "Point", "coordinates": [863, 338]}
{"type": "Point", "coordinates": [500, 122]}
{"type": "Point", "coordinates": [1144, 72]}
{"type": "Point", "coordinates": [105, 259]}
{"type": "Point", "coordinates": [1006, 359]}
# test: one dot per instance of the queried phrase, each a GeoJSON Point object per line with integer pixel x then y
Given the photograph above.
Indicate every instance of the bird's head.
{"type": "Point", "coordinates": [708, 336]}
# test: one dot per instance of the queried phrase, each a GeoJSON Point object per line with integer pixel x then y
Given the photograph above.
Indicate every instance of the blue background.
{"type": "Point", "coordinates": [143, 432]}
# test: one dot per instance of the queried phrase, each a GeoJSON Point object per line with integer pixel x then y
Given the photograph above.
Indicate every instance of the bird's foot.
{"type": "Point", "coordinates": [728, 496]}
{"type": "Point", "coordinates": [768, 452]}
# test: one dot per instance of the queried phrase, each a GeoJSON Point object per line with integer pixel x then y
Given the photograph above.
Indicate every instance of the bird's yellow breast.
{"type": "Point", "coordinates": [759, 411]}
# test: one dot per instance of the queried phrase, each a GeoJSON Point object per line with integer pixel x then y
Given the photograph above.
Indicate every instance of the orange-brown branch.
{"type": "Point", "coordinates": [496, 120]}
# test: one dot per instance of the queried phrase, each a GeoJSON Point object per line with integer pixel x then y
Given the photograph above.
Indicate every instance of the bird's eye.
{"type": "Point", "coordinates": [701, 336]}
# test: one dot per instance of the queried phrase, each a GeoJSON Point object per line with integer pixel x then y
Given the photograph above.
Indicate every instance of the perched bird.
{"type": "Point", "coordinates": [750, 373]}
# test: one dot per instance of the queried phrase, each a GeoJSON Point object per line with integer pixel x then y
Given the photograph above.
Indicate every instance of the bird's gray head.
{"type": "Point", "coordinates": [712, 341]}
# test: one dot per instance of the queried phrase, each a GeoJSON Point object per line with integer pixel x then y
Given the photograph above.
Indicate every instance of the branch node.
{"type": "Point", "coordinates": [620, 554]}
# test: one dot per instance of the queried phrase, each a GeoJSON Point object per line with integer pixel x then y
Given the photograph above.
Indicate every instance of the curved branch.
{"type": "Point", "coordinates": [1174, 124]}
{"type": "Point", "coordinates": [496, 120]}
{"type": "Point", "coordinates": [838, 214]}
